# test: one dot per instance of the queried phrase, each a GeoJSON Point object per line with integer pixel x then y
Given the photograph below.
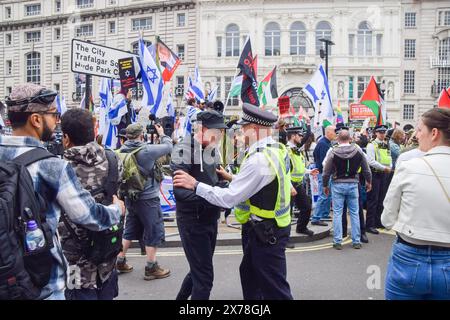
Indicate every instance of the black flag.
{"type": "Point", "coordinates": [249, 91]}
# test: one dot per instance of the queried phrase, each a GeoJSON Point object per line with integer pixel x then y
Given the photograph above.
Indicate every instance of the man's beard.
{"type": "Point", "coordinates": [47, 134]}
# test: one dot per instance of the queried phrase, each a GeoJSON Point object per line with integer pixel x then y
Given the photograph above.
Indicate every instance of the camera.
{"type": "Point", "coordinates": [151, 126]}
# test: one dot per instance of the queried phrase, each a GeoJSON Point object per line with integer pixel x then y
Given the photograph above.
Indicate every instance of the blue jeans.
{"type": "Point", "coordinates": [345, 192]}
{"type": "Point", "coordinates": [417, 274]}
{"type": "Point", "coordinates": [322, 209]}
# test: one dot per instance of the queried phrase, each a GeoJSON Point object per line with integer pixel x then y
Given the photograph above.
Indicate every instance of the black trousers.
{"type": "Point", "coordinates": [199, 242]}
{"type": "Point", "coordinates": [375, 199]}
{"type": "Point", "coordinates": [303, 203]}
{"type": "Point", "coordinates": [362, 224]}
{"type": "Point", "coordinates": [263, 268]}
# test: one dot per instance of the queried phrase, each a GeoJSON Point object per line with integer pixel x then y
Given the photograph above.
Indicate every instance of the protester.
{"type": "Point", "coordinates": [98, 171]}
{"type": "Point", "coordinates": [33, 116]}
{"type": "Point", "coordinates": [260, 193]}
{"type": "Point", "coordinates": [144, 206]}
{"type": "Point", "coordinates": [395, 145]}
{"type": "Point", "coordinates": [417, 207]}
{"type": "Point", "coordinates": [196, 218]}
{"type": "Point", "coordinates": [343, 163]}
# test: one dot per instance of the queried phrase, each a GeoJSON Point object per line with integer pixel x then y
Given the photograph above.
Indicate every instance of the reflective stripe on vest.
{"type": "Point", "coordinates": [382, 155]}
{"type": "Point", "coordinates": [298, 166]}
{"type": "Point", "coordinates": [278, 160]}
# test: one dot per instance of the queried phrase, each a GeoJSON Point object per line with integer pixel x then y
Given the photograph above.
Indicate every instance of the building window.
{"type": "Point", "coordinates": [135, 47]}
{"type": "Point", "coordinates": [232, 41]}
{"type": "Point", "coordinates": [363, 82]}
{"type": "Point", "coordinates": [444, 18]}
{"type": "Point", "coordinates": [57, 5]}
{"type": "Point", "coordinates": [57, 33]}
{"type": "Point", "coordinates": [181, 19]}
{"type": "Point", "coordinates": [142, 24]}
{"type": "Point", "coordinates": [56, 87]}
{"type": "Point", "coordinates": [298, 39]}
{"type": "Point", "coordinates": [33, 9]}
{"type": "Point", "coordinates": [410, 19]}
{"type": "Point", "coordinates": [180, 51]}
{"type": "Point", "coordinates": [323, 31]}
{"type": "Point", "coordinates": [272, 39]}
{"type": "Point", "coordinates": [86, 30]}
{"type": "Point", "coordinates": [410, 48]}
{"type": "Point", "coordinates": [364, 39]}
{"type": "Point", "coordinates": [219, 46]}
{"type": "Point", "coordinates": [351, 44]}
{"type": "Point", "coordinates": [379, 44]}
{"type": "Point", "coordinates": [83, 4]}
{"type": "Point", "coordinates": [443, 81]}
{"type": "Point", "coordinates": [408, 84]}
{"type": "Point", "coordinates": [8, 39]}
{"type": "Point", "coordinates": [8, 69]}
{"type": "Point", "coordinates": [219, 87]}
{"type": "Point", "coordinates": [8, 91]}
{"type": "Point", "coordinates": [179, 90]}
{"type": "Point", "coordinates": [408, 112]}
{"type": "Point", "coordinates": [444, 49]}
{"type": "Point", "coordinates": [8, 13]}
{"type": "Point", "coordinates": [232, 101]}
{"type": "Point", "coordinates": [57, 60]}
{"type": "Point", "coordinates": [112, 2]}
{"type": "Point", "coordinates": [32, 36]}
{"type": "Point", "coordinates": [34, 67]}
{"type": "Point", "coordinates": [111, 27]}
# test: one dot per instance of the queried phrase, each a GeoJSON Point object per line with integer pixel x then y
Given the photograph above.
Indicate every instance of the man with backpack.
{"type": "Point", "coordinates": [42, 186]}
{"type": "Point", "coordinates": [342, 164]}
{"type": "Point", "coordinates": [91, 256]}
{"type": "Point", "coordinates": [140, 186]}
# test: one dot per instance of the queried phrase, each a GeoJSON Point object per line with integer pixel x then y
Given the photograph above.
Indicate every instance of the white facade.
{"type": "Point", "coordinates": [358, 53]}
{"type": "Point", "coordinates": [430, 31]}
{"type": "Point", "coordinates": [113, 23]}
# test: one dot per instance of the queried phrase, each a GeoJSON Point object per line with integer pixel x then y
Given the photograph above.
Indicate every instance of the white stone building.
{"type": "Point", "coordinates": [286, 32]}
{"type": "Point", "coordinates": [426, 55]}
{"type": "Point", "coordinates": [35, 37]}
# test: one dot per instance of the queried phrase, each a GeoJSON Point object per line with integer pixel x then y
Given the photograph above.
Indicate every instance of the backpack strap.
{"type": "Point", "coordinates": [112, 180]}
{"type": "Point", "coordinates": [32, 156]}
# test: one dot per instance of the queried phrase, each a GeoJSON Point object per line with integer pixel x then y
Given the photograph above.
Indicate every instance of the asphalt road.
{"type": "Point", "coordinates": [315, 271]}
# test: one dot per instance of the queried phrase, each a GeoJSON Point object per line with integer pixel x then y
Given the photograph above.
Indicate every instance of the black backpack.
{"type": "Point", "coordinates": [103, 245]}
{"type": "Point", "coordinates": [22, 274]}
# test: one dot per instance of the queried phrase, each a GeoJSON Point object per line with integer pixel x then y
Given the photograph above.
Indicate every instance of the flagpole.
{"type": "Point", "coordinates": [228, 97]}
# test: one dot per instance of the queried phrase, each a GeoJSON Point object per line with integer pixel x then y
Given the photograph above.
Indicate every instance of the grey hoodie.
{"type": "Point", "coordinates": [345, 152]}
{"type": "Point", "coordinates": [146, 159]}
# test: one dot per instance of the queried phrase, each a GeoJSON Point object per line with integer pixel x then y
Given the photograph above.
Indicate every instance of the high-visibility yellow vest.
{"type": "Point", "coordinates": [298, 166]}
{"type": "Point", "coordinates": [382, 154]}
{"type": "Point", "coordinates": [277, 157]}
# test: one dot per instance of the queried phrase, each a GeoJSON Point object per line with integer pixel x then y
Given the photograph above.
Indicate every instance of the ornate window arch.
{"type": "Point", "coordinates": [232, 34]}
{"type": "Point", "coordinates": [298, 38]}
{"type": "Point", "coordinates": [323, 31]}
{"type": "Point", "coordinates": [272, 39]}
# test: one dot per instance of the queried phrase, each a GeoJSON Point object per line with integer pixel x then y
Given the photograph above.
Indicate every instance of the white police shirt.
{"type": "Point", "coordinates": [254, 174]}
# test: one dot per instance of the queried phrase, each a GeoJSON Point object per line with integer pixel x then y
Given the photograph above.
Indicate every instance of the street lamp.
{"type": "Point", "coordinates": [327, 43]}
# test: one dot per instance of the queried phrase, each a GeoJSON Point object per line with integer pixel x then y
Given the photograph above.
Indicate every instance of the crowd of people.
{"type": "Point", "coordinates": [93, 202]}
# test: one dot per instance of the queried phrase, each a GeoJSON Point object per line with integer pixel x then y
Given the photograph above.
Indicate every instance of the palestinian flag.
{"type": "Point", "coordinates": [373, 99]}
{"type": "Point", "coordinates": [267, 89]}
{"type": "Point", "coordinates": [444, 99]}
{"type": "Point", "coordinates": [236, 86]}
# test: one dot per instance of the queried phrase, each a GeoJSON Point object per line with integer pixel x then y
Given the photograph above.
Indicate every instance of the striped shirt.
{"type": "Point", "coordinates": [63, 191]}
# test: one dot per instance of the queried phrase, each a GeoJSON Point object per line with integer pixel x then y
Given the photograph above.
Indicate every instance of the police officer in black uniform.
{"type": "Point", "coordinates": [196, 217]}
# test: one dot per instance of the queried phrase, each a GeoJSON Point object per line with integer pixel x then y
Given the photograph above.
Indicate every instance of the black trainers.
{"type": "Point", "coordinates": [306, 231]}
{"type": "Point", "coordinates": [319, 223]}
{"type": "Point", "coordinates": [356, 246]}
{"type": "Point", "coordinates": [337, 246]}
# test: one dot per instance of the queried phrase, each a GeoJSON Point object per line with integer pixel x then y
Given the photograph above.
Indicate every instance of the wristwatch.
{"type": "Point", "coordinates": [196, 185]}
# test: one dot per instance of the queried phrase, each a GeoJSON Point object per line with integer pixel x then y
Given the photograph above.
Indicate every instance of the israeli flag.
{"type": "Point", "coordinates": [319, 93]}
{"type": "Point", "coordinates": [170, 107]}
{"type": "Point", "coordinates": [61, 104]}
{"type": "Point", "coordinates": [106, 98]}
{"type": "Point", "coordinates": [152, 81]}
{"type": "Point", "coordinates": [197, 86]}
{"type": "Point", "coordinates": [191, 116]}
{"type": "Point", "coordinates": [114, 114]}
{"type": "Point", "coordinates": [212, 94]}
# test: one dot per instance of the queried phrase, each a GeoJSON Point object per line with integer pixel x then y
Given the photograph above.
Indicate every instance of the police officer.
{"type": "Point", "coordinates": [260, 193]}
{"type": "Point", "coordinates": [295, 137]}
{"type": "Point", "coordinates": [380, 161]}
{"type": "Point", "coordinates": [196, 217]}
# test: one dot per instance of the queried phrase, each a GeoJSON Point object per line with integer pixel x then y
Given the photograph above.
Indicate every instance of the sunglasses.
{"type": "Point", "coordinates": [44, 97]}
